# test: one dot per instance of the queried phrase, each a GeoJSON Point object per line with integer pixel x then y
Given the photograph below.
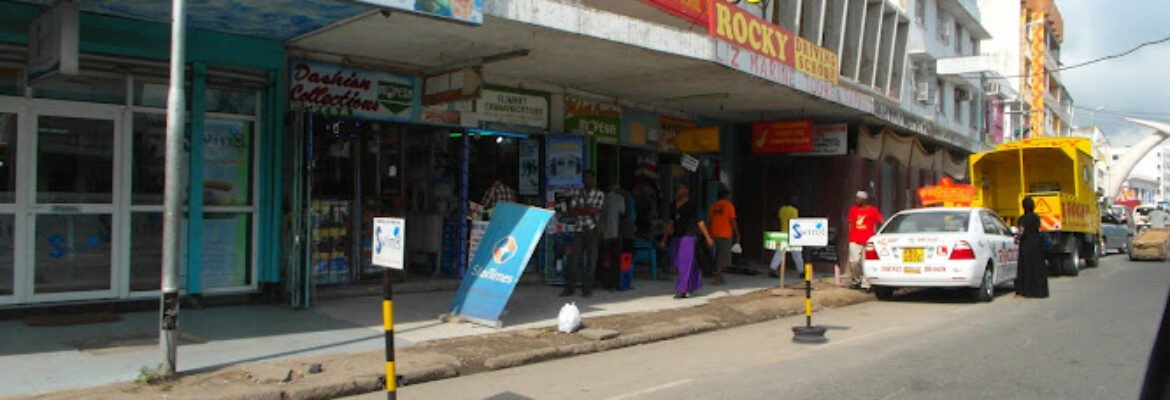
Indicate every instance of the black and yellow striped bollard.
{"type": "Point", "coordinates": [808, 333]}
{"type": "Point", "coordinates": [388, 330]}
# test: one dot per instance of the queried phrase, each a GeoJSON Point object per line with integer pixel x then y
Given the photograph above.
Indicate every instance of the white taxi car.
{"type": "Point", "coordinates": [942, 247]}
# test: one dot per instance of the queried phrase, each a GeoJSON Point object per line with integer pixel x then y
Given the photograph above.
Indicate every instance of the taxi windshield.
{"type": "Point", "coordinates": [928, 222]}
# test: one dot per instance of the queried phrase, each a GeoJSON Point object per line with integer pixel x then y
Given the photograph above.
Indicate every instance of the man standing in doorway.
{"type": "Point", "coordinates": [584, 205]}
{"type": "Point", "coordinates": [787, 212]}
{"type": "Point", "coordinates": [863, 221]}
{"type": "Point", "coordinates": [725, 231]}
{"type": "Point", "coordinates": [498, 192]}
{"type": "Point", "coordinates": [613, 213]}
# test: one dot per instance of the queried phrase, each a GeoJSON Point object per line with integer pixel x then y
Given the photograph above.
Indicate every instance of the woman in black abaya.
{"type": "Point", "coordinates": [1032, 276]}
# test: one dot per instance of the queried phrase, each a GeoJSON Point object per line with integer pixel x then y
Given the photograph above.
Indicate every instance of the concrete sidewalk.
{"type": "Point", "coordinates": [40, 359]}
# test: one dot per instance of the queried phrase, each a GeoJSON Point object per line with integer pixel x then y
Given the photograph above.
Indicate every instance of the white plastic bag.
{"type": "Point", "coordinates": [736, 249]}
{"type": "Point", "coordinates": [569, 320]}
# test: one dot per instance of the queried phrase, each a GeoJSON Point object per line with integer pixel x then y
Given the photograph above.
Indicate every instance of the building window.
{"type": "Point", "coordinates": [958, 38]}
{"type": "Point", "coordinates": [944, 26]}
{"type": "Point", "coordinates": [229, 170]}
{"type": "Point", "coordinates": [972, 112]}
{"type": "Point", "coordinates": [974, 46]}
{"type": "Point", "coordinates": [938, 99]}
{"type": "Point", "coordinates": [920, 11]}
{"type": "Point", "coordinates": [957, 115]}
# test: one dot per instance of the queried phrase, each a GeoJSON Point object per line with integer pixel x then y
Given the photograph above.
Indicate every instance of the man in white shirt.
{"type": "Point", "coordinates": [1158, 218]}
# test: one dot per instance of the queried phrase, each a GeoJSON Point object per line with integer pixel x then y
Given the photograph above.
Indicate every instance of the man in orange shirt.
{"type": "Point", "coordinates": [725, 231]}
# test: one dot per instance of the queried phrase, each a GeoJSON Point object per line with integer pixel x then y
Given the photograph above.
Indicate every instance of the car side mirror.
{"type": "Point", "coordinates": [1015, 231]}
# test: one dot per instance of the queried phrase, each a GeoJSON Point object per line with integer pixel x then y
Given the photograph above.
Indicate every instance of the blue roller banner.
{"type": "Point", "coordinates": [495, 269]}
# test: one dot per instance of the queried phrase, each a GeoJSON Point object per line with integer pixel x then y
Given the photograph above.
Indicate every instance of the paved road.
{"type": "Point", "coordinates": [1090, 340]}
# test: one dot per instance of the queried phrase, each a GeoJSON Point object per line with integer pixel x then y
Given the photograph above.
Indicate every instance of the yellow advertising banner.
{"type": "Point", "coordinates": [732, 24]}
{"type": "Point", "coordinates": [698, 140]}
{"type": "Point", "coordinates": [816, 61]}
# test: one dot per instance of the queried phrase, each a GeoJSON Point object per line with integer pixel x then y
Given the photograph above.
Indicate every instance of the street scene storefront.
{"type": "Point", "coordinates": [308, 133]}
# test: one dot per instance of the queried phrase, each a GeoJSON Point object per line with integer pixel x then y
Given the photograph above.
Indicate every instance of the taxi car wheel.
{"type": "Point", "coordinates": [883, 293]}
{"type": "Point", "coordinates": [986, 291]}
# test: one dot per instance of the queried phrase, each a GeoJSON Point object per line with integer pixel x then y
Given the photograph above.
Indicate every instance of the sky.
{"type": "Point", "coordinates": [1136, 85]}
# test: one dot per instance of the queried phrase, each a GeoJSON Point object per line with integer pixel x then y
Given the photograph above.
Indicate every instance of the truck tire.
{"type": "Point", "coordinates": [1094, 253]}
{"type": "Point", "coordinates": [1070, 262]}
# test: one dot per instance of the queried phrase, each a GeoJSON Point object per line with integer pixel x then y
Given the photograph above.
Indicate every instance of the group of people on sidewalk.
{"type": "Point", "coordinates": [686, 226]}
{"type": "Point", "coordinates": [687, 236]}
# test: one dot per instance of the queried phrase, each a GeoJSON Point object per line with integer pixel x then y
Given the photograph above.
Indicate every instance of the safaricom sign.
{"type": "Point", "coordinates": [812, 232]}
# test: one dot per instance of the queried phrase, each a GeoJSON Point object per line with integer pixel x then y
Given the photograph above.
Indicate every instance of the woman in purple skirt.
{"type": "Point", "coordinates": [683, 229]}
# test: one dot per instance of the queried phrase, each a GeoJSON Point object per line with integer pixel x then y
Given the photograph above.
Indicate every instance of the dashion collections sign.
{"type": "Point", "coordinates": [732, 24]}
{"type": "Point", "coordinates": [338, 90]}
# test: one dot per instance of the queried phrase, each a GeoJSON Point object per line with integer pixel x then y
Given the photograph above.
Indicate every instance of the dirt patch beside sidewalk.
{"type": "Point", "coordinates": [355, 373]}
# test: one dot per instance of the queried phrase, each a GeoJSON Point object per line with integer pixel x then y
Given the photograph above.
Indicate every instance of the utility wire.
{"type": "Point", "coordinates": [1122, 113]}
{"type": "Point", "coordinates": [1118, 55]}
{"type": "Point", "coordinates": [1093, 61]}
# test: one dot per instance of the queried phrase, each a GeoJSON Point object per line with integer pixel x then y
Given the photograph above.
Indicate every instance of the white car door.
{"type": "Point", "coordinates": [1001, 245]}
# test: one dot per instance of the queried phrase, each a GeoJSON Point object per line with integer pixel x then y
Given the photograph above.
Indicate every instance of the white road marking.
{"type": "Point", "coordinates": [649, 390]}
{"type": "Point", "coordinates": [858, 337]}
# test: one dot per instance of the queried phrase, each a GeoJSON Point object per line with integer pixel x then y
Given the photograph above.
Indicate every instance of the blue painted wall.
{"type": "Point", "coordinates": [122, 37]}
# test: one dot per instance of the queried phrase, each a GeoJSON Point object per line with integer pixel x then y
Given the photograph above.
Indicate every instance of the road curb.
{"type": "Point", "coordinates": [439, 366]}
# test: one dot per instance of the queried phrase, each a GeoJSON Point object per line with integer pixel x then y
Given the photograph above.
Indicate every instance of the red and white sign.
{"type": "Point", "coordinates": [782, 136]}
{"type": "Point", "coordinates": [694, 11]}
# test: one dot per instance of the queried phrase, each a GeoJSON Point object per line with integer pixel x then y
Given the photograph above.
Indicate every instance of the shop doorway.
{"type": "Point", "coordinates": [71, 214]}
{"type": "Point", "coordinates": [358, 170]}
{"type": "Point", "coordinates": [356, 173]}
{"type": "Point", "coordinates": [61, 187]}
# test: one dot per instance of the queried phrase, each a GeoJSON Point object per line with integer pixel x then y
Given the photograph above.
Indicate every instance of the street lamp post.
{"type": "Point", "coordinates": [169, 306]}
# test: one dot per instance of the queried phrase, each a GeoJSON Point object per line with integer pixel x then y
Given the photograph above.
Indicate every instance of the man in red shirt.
{"type": "Point", "coordinates": [863, 220]}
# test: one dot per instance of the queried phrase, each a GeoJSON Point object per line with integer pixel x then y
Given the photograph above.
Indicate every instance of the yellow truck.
{"type": "Point", "coordinates": [1058, 174]}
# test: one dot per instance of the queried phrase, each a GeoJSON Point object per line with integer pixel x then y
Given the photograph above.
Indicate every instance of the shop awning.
{"type": "Point", "coordinates": [576, 48]}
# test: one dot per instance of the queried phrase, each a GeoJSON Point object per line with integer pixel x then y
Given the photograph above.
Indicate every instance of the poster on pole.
{"type": "Point", "coordinates": [497, 264]}
{"type": "Point", "coordinates": [389, 243]}
{"type": "Point", "coordinates": [529, 167]}
{"type": "Point", "coordinates": [566, 161]}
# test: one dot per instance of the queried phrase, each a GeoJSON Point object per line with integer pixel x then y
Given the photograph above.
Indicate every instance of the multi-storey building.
{"type": "Point", "coordinates": [947, 30]}
{"type": "Point", "coordinates": [1025, 48]}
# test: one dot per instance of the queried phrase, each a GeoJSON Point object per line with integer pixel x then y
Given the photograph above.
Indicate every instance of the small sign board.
{"type": "Point", "coordinates": [498, 263]}
{"type": "Point", "coordinates": [690, 163]}
{"type": "Point", "coordinates": [389, 243]}
{"type": "Point", "coordinates": [808, 232]}
{"type": "Point", "coordinates": [53, 42]}
{"type": "Point", "coordinates": [775, 240]}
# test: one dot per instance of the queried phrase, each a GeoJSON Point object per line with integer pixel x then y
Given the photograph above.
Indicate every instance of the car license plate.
{"type": "Point", "coordinates": [916, 254]}
{"type": "Point", "coordinates": [913, 270]}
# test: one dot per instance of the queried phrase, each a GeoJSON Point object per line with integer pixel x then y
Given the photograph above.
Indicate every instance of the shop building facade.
{"type": "Point", "coordinates": [83, 150]}
{"type": "Point", "coordinates": [326, 127]}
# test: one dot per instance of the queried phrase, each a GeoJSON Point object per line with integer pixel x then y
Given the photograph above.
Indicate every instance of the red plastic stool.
{"type": "Point", "coordinates": [627, 274]}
